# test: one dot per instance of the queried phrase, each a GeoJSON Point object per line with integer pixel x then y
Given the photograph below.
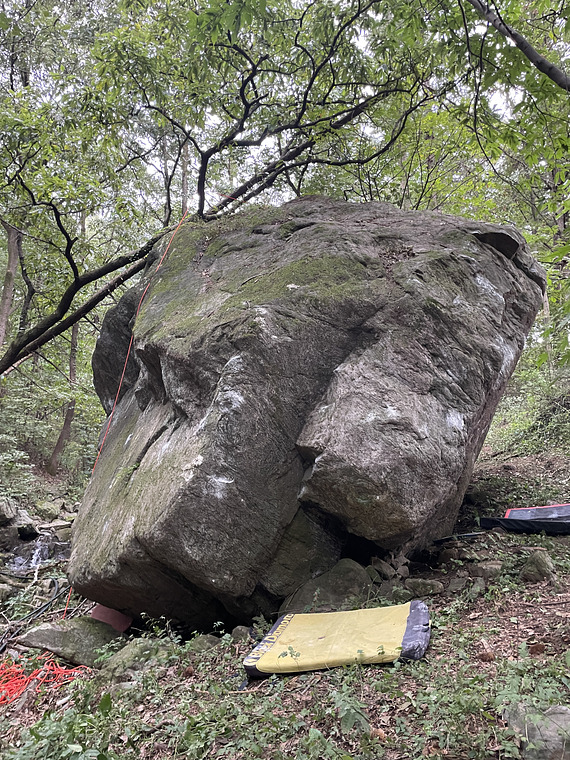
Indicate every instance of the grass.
{"type": "Point", "coordinates": [448, 705]}
{"type": "Point", "coordinates": [505, 644]}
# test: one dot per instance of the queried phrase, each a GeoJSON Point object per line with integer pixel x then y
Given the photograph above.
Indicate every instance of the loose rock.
{"type": "Point", "coordinates": [546, 735]}
{"type": "Point", "coordinates": [487, 569]}
{"type": "Point", "coordinates": [383, 569]}
{"type": "Point", "coordinates": [8, 509]}
{"type": "Point", "coordinates": [345, 586]}
{"type": "Point", "coordinates": [478, 587]}
{"type": "Point", "coordinates": [456, 584]}
{"type": "Point", "coordinates": [76, 640]}
{"type": "Point", "coordinates": [241, 633]}
{"type": "Point", "coordinates": [6, 591]}
{"type": "Point", "coordinates": [424, 586]}
{"type": "Point", "coordinates": [134, 656]}
{"type": "Point", "coordinates": [204, 642]}
{"type": "Point", "coordinates": [538, 567]}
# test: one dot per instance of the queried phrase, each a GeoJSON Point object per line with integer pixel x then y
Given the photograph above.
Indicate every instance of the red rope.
{"type": "Point", "coordinates": [67, 603]}
{"type": "Point", "coordinates": [116, 401]}
{"type": "Point", "coordinates": [14, 680]}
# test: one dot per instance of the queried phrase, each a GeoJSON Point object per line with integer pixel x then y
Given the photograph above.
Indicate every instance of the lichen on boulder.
{"type": "Point", "coordinates": [305, 380]}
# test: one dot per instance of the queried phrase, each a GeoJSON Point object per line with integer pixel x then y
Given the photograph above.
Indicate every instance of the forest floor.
{"type": "Point", "coordinates": [492, 647]}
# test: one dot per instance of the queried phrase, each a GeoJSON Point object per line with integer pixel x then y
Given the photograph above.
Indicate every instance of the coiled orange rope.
{"type": "Point", "coordinates": [14, 680]}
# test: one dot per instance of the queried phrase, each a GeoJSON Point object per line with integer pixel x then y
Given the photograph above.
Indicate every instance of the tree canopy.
{"type": "Point", "coordinates": [117, 118]}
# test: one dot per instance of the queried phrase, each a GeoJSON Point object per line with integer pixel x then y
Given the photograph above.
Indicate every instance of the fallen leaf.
{"type": "Point", "coordinates": [537, 648]}
{"type": "Point", "coordinates": [487, 655]}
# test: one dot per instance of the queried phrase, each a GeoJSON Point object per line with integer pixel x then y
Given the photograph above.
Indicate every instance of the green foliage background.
{"type": "Point", "coordinates": [117, 116]}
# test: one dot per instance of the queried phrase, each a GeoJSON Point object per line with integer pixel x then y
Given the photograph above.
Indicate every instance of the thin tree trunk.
{"type": "Point", "coordinates": [14, 237]}
{"type": "Point", "coordinates": [184, 178]}
{"type": "Point", "coordinates": [557, 75]}
{"type": "Point", "coordinates": [30, 293]}
{"type": "Point", "coordinates": [65, 433]}
{"type": "Point", "coordinates": [167, 209]}
{"type": "Point", "coordinates": [548, 340]}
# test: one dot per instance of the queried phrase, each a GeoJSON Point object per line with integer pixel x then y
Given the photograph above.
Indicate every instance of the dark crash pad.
{"type": "Point", "coordinates": [552, 519]}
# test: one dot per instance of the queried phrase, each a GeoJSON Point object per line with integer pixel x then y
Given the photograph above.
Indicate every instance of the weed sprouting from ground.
{"type": "Point", "coordinates": [451, 704]}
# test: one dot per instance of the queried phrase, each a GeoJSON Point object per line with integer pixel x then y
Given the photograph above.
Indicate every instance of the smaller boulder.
{"type": "Point", "coordinates": [8, 536]}
{"type": "Point", "coordinates": [456, 585]}
{"type": "Point", "coordinates": [204, 642]}
{"type": "Point", "coordinates": [374, 576]}
{"type": "Point", "coordinates": [401, 595]}
{"type": "Point", "coordinates": [488, 569]}
{"type": "Point", "coordinates": [468, 554]}
{"type": "Point", "coordinates": [76, 640]}
{"type": "Point", "coordinates": [448, 555]}
{"type": "Point", "coordinates": [240, 633]}
{"type": "Point", "coordinates": [386, 589]}
{"type": "Point", "coordinates": [345, 585]}
{"type": "Point", "coordinates": [8, 510]}
{"type": "Point", "coordinates": [538, 567]}
{"type": "Point", "coordinates": [63, 534]}
{"type": "Point", "coordinates": [384, 570]}
{"type": "Point", "coordinates": [136, 655]}
{"type": "Point", "coordinates": [546, 734]}
{"type": "Point", "coordinates": [424, 586]}
{"type": "Point", "coordinates": [477, 588]}
{"type": "Point", "coordinates": [49, 510]}
{"type": "Point", "coordinates": [6, 591]}
{"type": "Point", "coordinates": [27, 529]}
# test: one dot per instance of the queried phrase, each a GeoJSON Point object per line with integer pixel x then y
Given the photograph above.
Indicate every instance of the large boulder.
{"type": "Point", "coordinates": [312, 380]}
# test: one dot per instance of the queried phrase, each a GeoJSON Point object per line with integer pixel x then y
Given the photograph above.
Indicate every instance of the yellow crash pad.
{"type": "Point", "coordinates": [301, 642]}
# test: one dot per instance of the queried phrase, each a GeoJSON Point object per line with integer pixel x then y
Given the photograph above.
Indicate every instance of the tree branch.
{"type": "Point", "coordinates": [554, 73]}
{"type": "Point", "coordinates": [54, 324]}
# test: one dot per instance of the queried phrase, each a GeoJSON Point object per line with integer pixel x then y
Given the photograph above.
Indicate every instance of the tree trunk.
{"type": "Point", "coordinates": [184, 178]}
{"type": "Point", "coordinates": [548, 339]}
{"type": "Point", "coordinates": [166, 182]}
{"type": "Point", "coordinates": [53, 464]}
{"type": "Point", "coordinates": [30, 293]}
{"type": "Point", "coordinates": [14, 237]}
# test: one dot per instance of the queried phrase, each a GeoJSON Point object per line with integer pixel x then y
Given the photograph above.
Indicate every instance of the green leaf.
{"type": "Point", "coordinates": [105, 704]}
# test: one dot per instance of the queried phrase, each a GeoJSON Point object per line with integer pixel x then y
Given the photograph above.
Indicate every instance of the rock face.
{"type": "Point", "coordinates": [306, 375]}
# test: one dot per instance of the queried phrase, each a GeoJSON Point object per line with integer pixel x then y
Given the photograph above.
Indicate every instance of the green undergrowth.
{"type": "Point", "coordinates": [534, 414]}
{"type": "Point", "coordinates": [429, 706]}
{"type": "Point", "coordinates": [525, 461]}
{"type": "Point", "coordinates": [531, 424]}
{"type": "Point", "coordinates": [492, 493]}
{"type": "Point", "coordinates": [451, 704]}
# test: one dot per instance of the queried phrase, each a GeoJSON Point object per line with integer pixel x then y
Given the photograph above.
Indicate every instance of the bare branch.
{"type": "Point", "coordinates": [55, 323]}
